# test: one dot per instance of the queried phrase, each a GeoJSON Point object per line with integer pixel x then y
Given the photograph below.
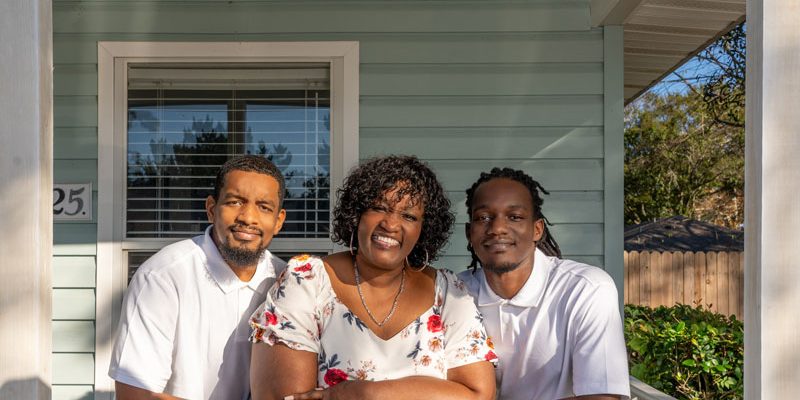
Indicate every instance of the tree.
{"type": "Point", "coordinates": [680, 161]}
{"type": "Point", "coordinates": [684, 144]}
{"type": "Point", "coordinates": [718, 74]}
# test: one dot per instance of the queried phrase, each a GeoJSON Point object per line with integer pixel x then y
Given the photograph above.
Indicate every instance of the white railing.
{"type": "Point", "coordinates": [643, 391]}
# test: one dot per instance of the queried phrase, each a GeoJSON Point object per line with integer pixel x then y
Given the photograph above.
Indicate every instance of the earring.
{"type": "Point", "coordinates": [424, 264]}
{"type": "Point", "coordinates": [352, 253]}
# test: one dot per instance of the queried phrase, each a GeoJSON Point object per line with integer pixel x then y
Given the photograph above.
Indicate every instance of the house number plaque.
{"type": "Point", "coordinates": [72, 202]}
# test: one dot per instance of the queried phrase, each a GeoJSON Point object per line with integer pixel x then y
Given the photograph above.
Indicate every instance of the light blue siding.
{"type": "Point", "coordinates": [270, 17]}
{"type": "Point", "coordinates": [75, 171]}
{"type": "Point", "coordinates": [73, 392]}
{"type": "Point", "coordinates": [75, 111]}
{"type": "Point", "coordinates": [471, 111]}
{"type": "Point", "coordinates": [557, 175]}
{"type": "Point", "coordinates": [73, 304]}
{"type": "Point", "coordinates": [73, 336]}
{"type": "Point", "coordinates": [465, 85]}
{"type": "Point", "coordinates": [73, 272]}
{"type": "Point", "coordinates": [470, 142]}
{"type": "Point", "coordinates": [76, 143]}
{"type": "Point", "coordinates": [73, 369]}
{"type": "Point", "coordinates": [75, 80]}
{"type": "Point", "coordinates": [517, 79]}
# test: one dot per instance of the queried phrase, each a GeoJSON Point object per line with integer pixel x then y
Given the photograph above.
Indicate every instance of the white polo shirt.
{"type": "Point", "coordinates": [184, 324]}
{"type": "Point", "coordinates": [559, 336]}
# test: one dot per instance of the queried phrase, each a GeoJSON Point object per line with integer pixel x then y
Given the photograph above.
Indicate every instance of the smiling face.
{"type": "Point", "coordinates": [503, 230]}
{"type": "Point", "coordinates": [246, 216]}
{"type": "Point", "coordinates": [389, 230]}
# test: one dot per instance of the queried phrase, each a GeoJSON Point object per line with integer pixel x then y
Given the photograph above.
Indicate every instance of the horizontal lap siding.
{"type": "Point", "coordinates": [465, 85]}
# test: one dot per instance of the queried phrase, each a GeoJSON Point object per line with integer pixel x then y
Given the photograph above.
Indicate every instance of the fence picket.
{"type": "Point", "coordinates": [712, 279]}
{"type": "Point", "coordinates": [646, 278]}
{"type": "Point", "coordinates": [723, 282]}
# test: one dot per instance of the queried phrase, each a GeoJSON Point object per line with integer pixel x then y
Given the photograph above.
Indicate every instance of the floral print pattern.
{"type": "Point", "coordinates": [303, 312]}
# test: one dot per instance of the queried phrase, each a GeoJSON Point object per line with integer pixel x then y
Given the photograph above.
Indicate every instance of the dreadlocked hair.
{"type": "Point", "coordinates": [547, 244]}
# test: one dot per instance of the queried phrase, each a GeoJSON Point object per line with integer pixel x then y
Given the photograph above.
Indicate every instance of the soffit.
{"type": "Point", "coordinates": [660, 35]}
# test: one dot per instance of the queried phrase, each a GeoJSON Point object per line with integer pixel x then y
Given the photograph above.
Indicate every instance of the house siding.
{"type": "Point", "coordinates": [464, 85]}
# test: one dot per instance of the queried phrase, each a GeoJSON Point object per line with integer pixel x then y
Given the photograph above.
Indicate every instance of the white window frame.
{"type": "Point", "coordinates": [113, 59]}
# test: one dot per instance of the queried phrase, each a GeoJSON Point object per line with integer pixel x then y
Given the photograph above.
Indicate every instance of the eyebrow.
{"type": "Point", "coordinates": [512, 206]}
{"type": "Point", "coordinates": [236, 195]}
{"type": "Point", "coordinates": [268, 202]}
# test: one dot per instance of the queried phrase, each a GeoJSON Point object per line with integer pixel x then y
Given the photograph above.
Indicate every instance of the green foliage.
{"type": "Point", "coordinates": [685, 351]}
{"type": "Point", "coordinates": [723, 84]}
{"type": "Point", "coordinates": [680, 161]}
{"type": "Point", "coordinates": [684, 149]}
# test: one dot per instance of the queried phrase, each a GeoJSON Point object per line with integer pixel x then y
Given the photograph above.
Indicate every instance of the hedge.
{"type": "Point", "coordinates": [687, 352]}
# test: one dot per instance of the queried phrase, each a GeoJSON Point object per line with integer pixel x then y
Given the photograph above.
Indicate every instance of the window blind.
{"type": "Point", "coordinates": [185, 121]}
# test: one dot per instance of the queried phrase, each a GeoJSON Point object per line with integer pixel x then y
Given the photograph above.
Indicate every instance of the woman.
{"type": "Point", "coordinates": [375, 322]}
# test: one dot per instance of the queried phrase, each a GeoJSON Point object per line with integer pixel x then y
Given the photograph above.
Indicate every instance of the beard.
{"type": "Point", "coordinates": [241, 256]}
{"type": "Point", "coordinates": [500, 269]}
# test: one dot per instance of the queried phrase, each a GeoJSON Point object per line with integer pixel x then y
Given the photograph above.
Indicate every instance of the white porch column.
{"type": "Point", "coordinates": [772, 201]}
{"type": "Point", "coordinates": [26, 187]}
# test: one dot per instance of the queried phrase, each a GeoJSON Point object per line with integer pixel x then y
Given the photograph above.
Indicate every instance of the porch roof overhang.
{"type": "Point", "coordinates": [661, 35]}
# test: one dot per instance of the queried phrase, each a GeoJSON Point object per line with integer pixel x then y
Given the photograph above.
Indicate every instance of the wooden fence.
{"type": "Point", "coordinates": [715, 280]}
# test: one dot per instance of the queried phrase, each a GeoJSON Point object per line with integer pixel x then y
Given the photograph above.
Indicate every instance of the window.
{"type": "Point", "coordinates": [169, 114]}
{"type": "Point", "coordinates": [186, 120]}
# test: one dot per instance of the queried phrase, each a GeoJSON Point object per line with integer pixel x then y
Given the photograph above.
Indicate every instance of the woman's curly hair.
{"type": "Point", "coordinates": [367, 183]}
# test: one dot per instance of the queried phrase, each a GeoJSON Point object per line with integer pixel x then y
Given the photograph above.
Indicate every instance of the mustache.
{"type": "Point", "coordinates": [245, 228]}
{"type": "Point", "coordinates": [490, 242]}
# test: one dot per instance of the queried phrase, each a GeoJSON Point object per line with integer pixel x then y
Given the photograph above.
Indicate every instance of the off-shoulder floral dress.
{"type": "Point", "coordinates": [303, 312]}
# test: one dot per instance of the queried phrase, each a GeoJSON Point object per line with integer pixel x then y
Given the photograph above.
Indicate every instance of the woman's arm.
{"type": "Point", "coordinates": [471, 382]}
{"type": "Point", "coordinates": [277, 371]}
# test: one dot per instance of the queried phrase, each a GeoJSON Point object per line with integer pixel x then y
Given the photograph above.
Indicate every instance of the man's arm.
{"type": "Point", "coordinates": [142, 358]}
{"type": "Point", "coordinates": [128, 392]}
{"type": "Point", "coordinates": [599, 357]}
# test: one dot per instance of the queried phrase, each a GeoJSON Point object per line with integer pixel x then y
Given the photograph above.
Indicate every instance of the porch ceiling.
{"type": "Point", "coordinates": [660, 35]}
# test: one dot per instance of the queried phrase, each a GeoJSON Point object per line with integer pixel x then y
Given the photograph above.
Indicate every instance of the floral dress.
{"type": "Point", "coordinates": [303, 312]}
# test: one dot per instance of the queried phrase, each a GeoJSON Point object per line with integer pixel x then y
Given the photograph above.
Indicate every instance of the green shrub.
{"type": "Point", "coordinates": [685, 351]}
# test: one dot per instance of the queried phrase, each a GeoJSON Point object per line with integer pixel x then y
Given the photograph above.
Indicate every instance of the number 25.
{"type": "Point", "coordinates": [60, 194]}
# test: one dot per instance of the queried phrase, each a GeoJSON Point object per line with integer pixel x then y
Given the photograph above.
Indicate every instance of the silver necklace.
{"type": "Point", "coordinates": [364, 303]}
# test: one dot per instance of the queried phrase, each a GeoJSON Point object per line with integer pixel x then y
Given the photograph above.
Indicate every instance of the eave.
{"type": "Point", "coordinates": [661, 35]}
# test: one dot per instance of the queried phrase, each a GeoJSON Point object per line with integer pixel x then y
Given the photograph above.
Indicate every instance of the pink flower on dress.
{"type": "Point", "coordinates": [270, 318]}
{"type": "Point", "coordinates": [435, 323]}
{"type": "Point", "coordinates": [490, 356]}
{"type": "Point", "coordinates": [334, 376]}
{"type": "Point", "coordinates": [303, 268]}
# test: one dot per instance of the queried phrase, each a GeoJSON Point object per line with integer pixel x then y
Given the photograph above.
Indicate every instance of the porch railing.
{"type": "Point", "coordinates": [643, 391]}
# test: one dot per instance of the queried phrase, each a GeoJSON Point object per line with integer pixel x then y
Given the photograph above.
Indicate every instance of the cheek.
{"type": "Point", "coordinates": [224, 215]}
{"type": "Point", "coordinates": [362, 229]}
{"type": "Point", "coordinates": [416, 233]}
{"type": "Point", "coordinates": [473, 235]}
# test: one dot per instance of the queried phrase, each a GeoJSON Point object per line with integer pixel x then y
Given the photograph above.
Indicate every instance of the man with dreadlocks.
{"type": "Point", "coordinates": [555, 323]}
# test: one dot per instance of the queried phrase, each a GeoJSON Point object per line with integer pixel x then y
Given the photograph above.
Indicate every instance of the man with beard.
{"type": "Point", "coordinates": [183, 331]}
{"type": "Point", "coordinates": [555, 323]}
